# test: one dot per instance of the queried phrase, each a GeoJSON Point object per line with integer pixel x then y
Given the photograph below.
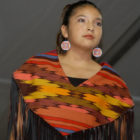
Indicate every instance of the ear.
{"type": "Point", "coordinates": [64, 31]}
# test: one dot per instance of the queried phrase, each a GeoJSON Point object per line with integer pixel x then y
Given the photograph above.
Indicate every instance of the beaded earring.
{"type": "Point", "coordinates": [65, 45]}
{"type": "Point", "coordinates": [97, 52]}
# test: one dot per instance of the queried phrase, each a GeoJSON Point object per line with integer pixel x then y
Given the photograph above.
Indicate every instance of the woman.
{"type": "Point", "coordinates": [65, 94]}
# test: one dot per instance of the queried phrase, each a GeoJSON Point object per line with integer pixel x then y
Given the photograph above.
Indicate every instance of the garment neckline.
{"type": "Point", "coordinates": [82, 83]}
{"type": "Point", "coordinates": [77, 78]}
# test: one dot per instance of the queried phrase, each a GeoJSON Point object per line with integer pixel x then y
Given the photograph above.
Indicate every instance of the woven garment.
{"type": "Point", "coordinates": [51, 108]}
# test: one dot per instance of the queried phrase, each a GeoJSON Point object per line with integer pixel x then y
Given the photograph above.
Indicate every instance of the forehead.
{"type": "Point", "coordinates": [87, 10]}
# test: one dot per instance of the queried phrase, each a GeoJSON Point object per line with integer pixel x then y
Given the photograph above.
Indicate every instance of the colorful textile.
{"type": "Point", "coordinates": [49, 94]}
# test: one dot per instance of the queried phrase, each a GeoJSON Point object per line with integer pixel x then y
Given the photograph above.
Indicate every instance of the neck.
{"type": "Point", "coordinates": [78, 56]}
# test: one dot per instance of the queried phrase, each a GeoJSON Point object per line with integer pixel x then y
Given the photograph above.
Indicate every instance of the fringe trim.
{"type": "Point", "coordinates": [120, 129]}
{"type": "Point", "coordinates": [25, 125]}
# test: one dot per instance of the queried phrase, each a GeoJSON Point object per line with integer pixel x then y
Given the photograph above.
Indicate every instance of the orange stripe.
{"type": "Point", "coordinates": [111, 78]}
{"type": "Point", "coordinates": [65, 120]}
{"type": "Point", "coordinates": [66, 124]}
{"type": "Point", "coordinates": [65, 127]}
{"type": "Point", "coordinates": [44, 60]}
{"type": "Point", "coordinates": [42, 63]}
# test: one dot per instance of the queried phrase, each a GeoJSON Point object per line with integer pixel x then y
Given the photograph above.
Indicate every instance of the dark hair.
{"type": "Point", "coordinates": [67, 12]}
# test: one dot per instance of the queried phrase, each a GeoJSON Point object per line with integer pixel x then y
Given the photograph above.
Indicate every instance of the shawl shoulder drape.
{"type": "Point", "coordinates": [46, 106]}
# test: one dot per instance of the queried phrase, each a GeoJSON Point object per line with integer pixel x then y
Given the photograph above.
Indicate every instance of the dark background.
{"type": "Point", "coordinates": [29, 27]}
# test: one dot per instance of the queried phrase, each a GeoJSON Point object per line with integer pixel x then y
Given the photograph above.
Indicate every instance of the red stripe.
{"type": "Point", "coordinates": [111, 78]}
{"type": "Point", "coordinates": [64, 133]}
{"type": "Point", "coordinates": [42, 63]}
{"type": "Point", "coordinates": [64, 120]}
{"type": "Point", "coordinates": [54, 54]}
{"type": "Point", "coordinates": [105, 64]}
{"type": "Point", "coordinates": [65, 127]}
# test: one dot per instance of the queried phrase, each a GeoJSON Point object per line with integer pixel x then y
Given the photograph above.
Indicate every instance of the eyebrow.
{"type": "Point", "coordinates": [85, 16]}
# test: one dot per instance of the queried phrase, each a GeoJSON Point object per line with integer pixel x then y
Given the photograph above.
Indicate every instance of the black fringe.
{"type": "Point", "coordinates": [35, 128]}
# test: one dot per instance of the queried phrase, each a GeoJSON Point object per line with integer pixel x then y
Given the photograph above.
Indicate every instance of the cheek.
{"type": "Point", "coordinates": [99, 33]}
{"type": "Point", "coordinates": [75, 32]}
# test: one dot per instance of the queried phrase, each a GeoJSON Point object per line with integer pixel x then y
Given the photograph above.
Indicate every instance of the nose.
{"type": "Point", "coordinates": [90, 27]}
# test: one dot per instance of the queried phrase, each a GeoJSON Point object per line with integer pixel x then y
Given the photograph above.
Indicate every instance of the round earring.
{"type": "Point", "coordinates": [65, 45]}
{"type": "Point", "coordinates": [97, 52]}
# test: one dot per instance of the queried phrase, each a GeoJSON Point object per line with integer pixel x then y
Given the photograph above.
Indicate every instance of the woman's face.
{"type": "Point", "coordinates": [85, 20]}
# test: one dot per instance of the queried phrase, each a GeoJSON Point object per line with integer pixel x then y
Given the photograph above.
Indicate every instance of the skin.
{"type": "Point", "coordinates": [78, 56]}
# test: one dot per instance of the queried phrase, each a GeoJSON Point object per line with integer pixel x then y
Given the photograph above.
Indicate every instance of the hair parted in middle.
{"type": "Point", "coordinates": [67, 12]}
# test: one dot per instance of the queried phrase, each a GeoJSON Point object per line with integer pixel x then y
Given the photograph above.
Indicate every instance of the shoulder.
{"type": "Point", "coordinates": [34, 63]}
{"type": "Point", "coordinates": [39, 58]}
{"type": "Point", "coordinates": [109, 67]}
{"type": "Point", "coordinates": [111, 73]}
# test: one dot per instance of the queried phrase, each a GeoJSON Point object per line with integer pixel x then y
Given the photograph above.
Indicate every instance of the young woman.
{"type": "Point", "coordinates": [65, 94]}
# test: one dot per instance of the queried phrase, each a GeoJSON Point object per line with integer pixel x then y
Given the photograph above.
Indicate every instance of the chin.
{"type": "Point", "coordinates": [88, 48]}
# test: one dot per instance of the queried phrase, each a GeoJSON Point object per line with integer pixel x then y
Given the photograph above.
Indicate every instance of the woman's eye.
{"type": "Point", "coordinates": [81, 20]}
{"type": "Point", "coordinates": [99, 24]}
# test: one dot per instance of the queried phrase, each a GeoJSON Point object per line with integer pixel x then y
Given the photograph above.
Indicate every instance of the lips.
{"type": "Point", "coordinates": [89, 36]}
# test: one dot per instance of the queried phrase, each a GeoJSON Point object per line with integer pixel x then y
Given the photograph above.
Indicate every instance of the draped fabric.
{"type": "Point", "coordinates": [45, 105]}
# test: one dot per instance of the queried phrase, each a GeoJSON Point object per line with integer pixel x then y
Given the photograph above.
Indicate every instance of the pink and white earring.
{"type": "Point", "coordinates": [97, 52]}
{"type": "Point", "coordinates": [65, 45]}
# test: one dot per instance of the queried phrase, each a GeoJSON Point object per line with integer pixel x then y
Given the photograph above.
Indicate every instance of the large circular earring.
{"type": "Point", "coordinates": [65, 45]}
{"type": "Point", "coordinates": [97, 52]}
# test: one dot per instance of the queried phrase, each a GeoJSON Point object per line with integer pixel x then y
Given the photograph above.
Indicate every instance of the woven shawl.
{"type": "Point", "coordinates": [48, 107]}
